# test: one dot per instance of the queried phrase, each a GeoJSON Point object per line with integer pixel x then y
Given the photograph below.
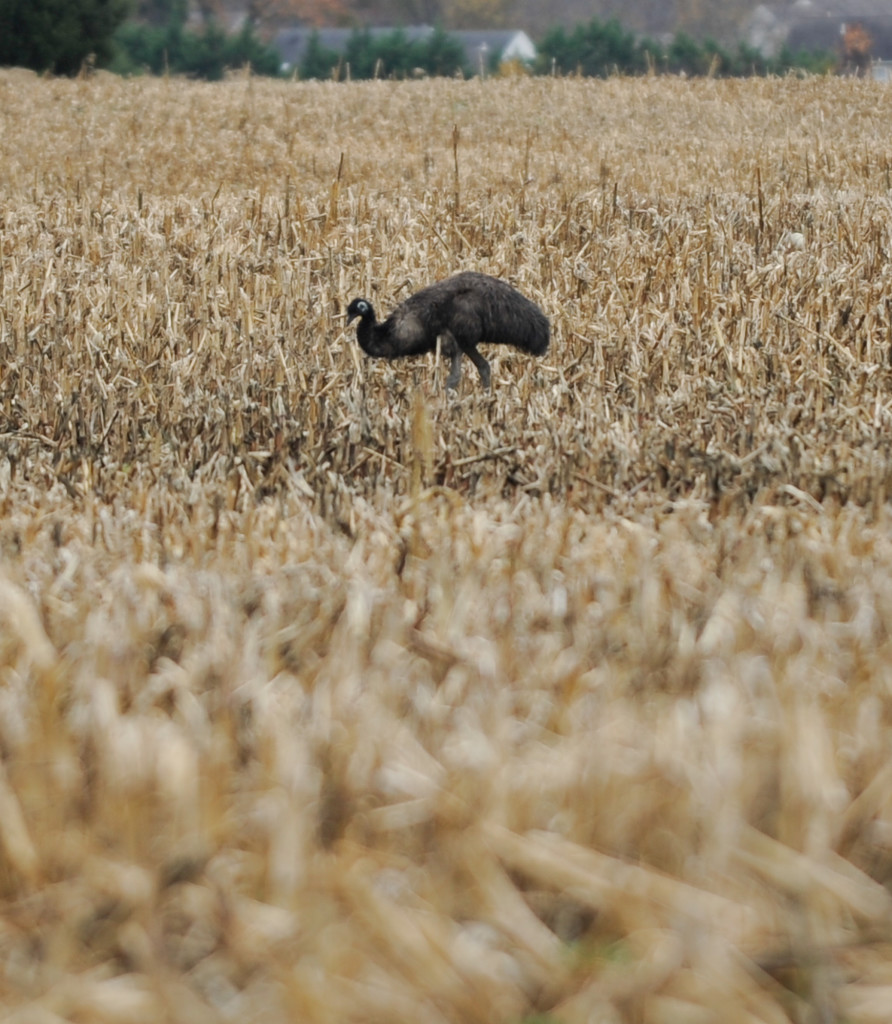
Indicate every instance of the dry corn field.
{"type": "Point", "coordinates": [327, 696]}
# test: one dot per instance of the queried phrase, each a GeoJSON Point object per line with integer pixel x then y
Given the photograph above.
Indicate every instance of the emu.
{"type": "Point", "coordinates": [464, 311]}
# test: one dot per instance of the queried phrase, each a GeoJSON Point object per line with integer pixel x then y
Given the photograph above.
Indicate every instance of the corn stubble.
{"type": "Point", "coordinates": [329, 697]}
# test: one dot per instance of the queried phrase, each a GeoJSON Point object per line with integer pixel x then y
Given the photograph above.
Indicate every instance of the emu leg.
{"type": "Point", "coordinates": [469, 348]}
{"type": "Point", "coordinates": [455, 370]}
{"type": "Point", "coordinates": [481, 364]}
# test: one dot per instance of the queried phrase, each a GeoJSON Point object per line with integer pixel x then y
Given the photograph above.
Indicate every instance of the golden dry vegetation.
{"type": "Point", "coordinates": [328, 697]}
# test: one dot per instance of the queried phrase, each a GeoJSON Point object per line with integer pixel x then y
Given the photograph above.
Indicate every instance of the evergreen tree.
{"type": "Point", "coordinates": [395, 55]}
{"type": "Point", "coordinates": [442, 54]}
{"type": "Point", "coordinates": [686, 55]}
{"type": "Point", "coordinates": [360, 54]}
{"type": "Point", "coordinates": [59, 35]}
{"type": "Point", "coordinates": [162, 12]}
{"type": "Point", "coordinates": [174, 48]}
{"type": "Point", "coordinates": [319, 61]}
{"type": "Point", "coordinates": [602, 48]}
{"type": "Point", "coordinates": [388, 55]}
{"type": "Point", "coordinates": [596, 48]}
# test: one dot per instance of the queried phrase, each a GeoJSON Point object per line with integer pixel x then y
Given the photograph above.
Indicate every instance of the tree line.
{"type": "Point", "coordinates": [60, 36]}
{"type": "Point", "coordinates": [601, 48]}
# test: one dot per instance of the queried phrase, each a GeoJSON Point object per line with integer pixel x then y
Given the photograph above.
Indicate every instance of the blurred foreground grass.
{"type": "Point", "coordinates": [326, 696]}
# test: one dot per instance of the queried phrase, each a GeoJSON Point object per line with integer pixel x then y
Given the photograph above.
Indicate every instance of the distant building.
{"type": "Point", "coordinates": [479, 46]}
{"type": "Point", "coordinates": [831, 25]}
{"type": "Point", "coordinates": [510, 45]}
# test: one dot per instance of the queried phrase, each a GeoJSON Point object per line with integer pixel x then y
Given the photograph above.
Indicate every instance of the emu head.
{"type": "Point", "coordinates": [360, 308]}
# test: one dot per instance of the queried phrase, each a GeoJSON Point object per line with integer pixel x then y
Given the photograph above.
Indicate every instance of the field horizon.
{"type": "Point", "coordinates": [327, 695]}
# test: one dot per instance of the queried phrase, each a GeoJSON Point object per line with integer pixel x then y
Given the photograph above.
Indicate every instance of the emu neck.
{"type": "Point", "coordinates": [377, 339]}
{"type": "Point", "coordinates": [365, 330]}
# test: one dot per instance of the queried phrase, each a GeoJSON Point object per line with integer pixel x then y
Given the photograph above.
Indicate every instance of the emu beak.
{"type": "Point", "coordinates": [351, 317]}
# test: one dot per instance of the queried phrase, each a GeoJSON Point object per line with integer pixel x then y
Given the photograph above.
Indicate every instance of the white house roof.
{"type": "Point", "coordinates": [512, 45]}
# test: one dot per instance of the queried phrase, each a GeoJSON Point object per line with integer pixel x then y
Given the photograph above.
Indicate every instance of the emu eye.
{"type": "Point", "coordinates": [362, 306]}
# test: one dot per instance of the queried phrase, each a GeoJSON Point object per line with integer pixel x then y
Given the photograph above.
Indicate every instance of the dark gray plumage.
{"type": "Point", "coordinates": [465, 311]}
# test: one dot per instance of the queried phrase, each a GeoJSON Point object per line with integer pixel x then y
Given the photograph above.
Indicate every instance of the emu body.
{"type": "Point", "coordinates": [464, 311]}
